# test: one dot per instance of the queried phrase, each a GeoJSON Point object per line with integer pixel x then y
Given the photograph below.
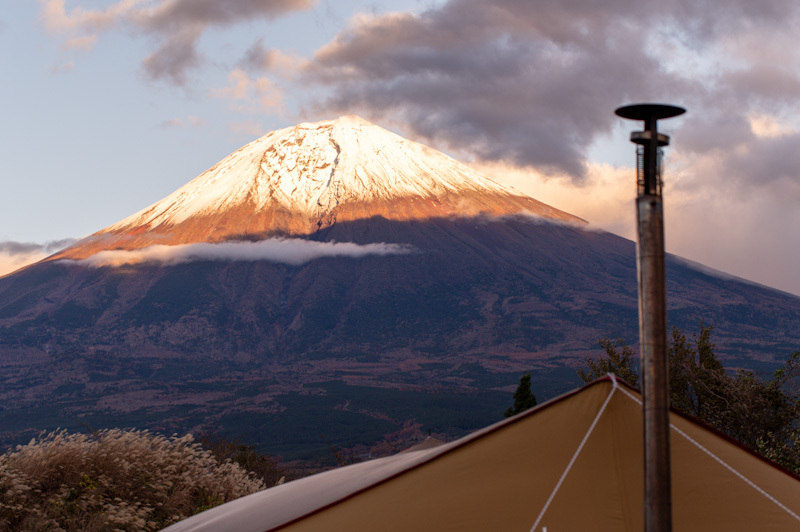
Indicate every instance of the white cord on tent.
{"type": "Point", "coordinates": [732, 470]}
{"type": "Point", "coordinates": [577, 452]}
{"type": "Point", "coordinates": [723, 463]}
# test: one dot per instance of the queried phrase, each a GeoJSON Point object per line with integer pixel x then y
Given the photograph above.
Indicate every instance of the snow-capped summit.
{"type": "Point", "coordinates": [301, 179]}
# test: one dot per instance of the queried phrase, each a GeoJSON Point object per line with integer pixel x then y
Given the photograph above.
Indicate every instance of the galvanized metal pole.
{"type": "Point", "coordinates": [653, 314]}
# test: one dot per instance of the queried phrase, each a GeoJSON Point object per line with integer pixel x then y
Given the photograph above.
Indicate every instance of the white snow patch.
{"type": "Point", "coordinates": [294, 251]}
{"type": "Point", "coordinates": [311, 168]}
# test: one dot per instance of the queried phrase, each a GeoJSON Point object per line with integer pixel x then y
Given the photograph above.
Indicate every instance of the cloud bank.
{"type": "Point", "coordinates": [293, 251]}
{"type": "Point", "coordinates": [534, 84]}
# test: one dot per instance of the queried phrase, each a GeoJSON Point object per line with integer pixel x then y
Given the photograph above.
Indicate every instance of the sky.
{"type": "Point", "coordinates": [108, 106]}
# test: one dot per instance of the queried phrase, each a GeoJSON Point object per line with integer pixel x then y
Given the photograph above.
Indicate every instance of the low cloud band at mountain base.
{"type": "Point", "coordinates": [293, 251]}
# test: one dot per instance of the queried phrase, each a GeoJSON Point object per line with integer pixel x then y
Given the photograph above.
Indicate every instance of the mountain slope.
{"type": "Point", "coordinates": [345, 347]}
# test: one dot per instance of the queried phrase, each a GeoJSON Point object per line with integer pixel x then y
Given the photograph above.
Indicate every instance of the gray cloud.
{"type": "Point", "coordinates": [258, 58]}
{"type": "Point", "coordinates": [534, 83]}
{"type": "Point", "coordinates": [180, 24]}
{"type": "Point", "coordinates": [174, 14]}
{"type": "Point", "coordinates": [176, 26]}
{"type": "Point", "coordinates": [10, 247]}
{"type": "Point", "coordinates": [19, 248]}
{"type": "Point", "coordinates": [15, 255]}
{"type": "Point", "coordinates": [725, 150]}
{"type": "Point", "coordinates": [762, 82]}
{"type": "Point", "coordinates": [284, 250]}
{"type": "Point", "coordinates": [175, 57]}
{"type": "Point", "coordinates": [57, 245]}
{"type": "Point", "coordinates": [717, 130]}
{"type": "Point", "coordinates": [766, 160]}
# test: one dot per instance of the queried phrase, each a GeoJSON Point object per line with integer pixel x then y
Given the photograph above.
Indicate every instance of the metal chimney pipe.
{"type": "Point", "coordinates": [653, 312]}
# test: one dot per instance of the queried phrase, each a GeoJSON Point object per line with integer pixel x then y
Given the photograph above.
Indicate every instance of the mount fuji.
{"type": "Point", "coordinates": [303, 180]}
{"type": "Point", "coordinates": [333, 282]}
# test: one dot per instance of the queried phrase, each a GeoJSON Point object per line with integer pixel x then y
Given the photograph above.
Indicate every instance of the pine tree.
{"type": "Point", "coordinates": [523, 397]}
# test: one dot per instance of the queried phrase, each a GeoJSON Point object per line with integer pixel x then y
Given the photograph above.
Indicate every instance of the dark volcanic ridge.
{"type": "Point", "coordinates": [209, 344]}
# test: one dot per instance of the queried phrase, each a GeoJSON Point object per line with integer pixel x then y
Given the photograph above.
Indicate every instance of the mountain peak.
{"type": "Point", "coordinates": [312, 168]}
{"type": "Point", "coordinates": [301, 179]}
{"type": "Point", "coordinates": [352, 119]}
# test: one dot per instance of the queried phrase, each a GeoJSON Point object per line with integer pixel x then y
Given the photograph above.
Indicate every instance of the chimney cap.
{"type": "Point", "coordinates": [645, 111]}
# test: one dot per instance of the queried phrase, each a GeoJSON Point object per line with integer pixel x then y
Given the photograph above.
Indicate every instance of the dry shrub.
{"type": "Point", "coordinates": [113, 480]}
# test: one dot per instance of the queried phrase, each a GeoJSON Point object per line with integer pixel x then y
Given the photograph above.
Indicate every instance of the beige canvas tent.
{"type": "Point", "coordinates": [573, 463]}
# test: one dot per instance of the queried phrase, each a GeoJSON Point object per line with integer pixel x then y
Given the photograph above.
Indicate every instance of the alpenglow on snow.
{"type": "Point", "coordinates": [302, 179]}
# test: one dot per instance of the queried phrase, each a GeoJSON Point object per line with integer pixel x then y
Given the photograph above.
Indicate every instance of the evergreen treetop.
{"type": "Point", "coordinates": [523, 397]}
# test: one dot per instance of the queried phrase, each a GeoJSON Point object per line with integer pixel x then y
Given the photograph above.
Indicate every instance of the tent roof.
{"type": "Point", "coordinates": [573, 463]}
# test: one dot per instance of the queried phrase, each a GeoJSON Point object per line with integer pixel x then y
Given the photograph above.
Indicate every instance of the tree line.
{"type": "Point", "coordinates": [761, 413]}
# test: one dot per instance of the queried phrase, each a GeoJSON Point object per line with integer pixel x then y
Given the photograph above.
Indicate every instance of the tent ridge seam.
{"type": "Point", "coordinates": [614, 388]}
